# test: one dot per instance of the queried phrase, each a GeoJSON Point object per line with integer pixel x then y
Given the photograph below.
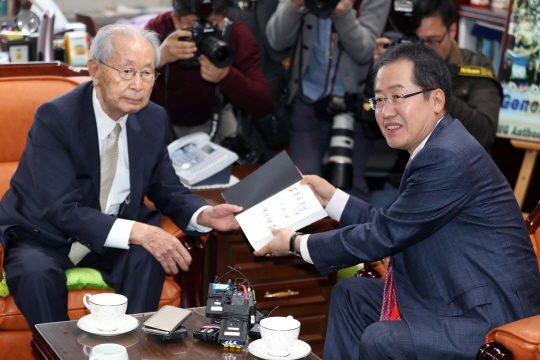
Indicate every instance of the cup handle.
{"type": "Point", "coordinates": [86, 352]}
{"type": "Point", "coordinates": [85, 302]}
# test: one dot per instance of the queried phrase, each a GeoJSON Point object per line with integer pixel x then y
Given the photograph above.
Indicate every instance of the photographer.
{"type": "Point", "coordinates": [334, 41]}
{"type": "Point", "coordinates": [188, 90]}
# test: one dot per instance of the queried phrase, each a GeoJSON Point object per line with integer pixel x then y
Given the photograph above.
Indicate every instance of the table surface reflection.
{"type": "Point", "coordinates": [64, 340]}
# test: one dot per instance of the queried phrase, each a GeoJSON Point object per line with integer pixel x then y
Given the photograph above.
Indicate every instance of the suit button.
{"type": "Point", "coordinates": [70, 240]}
{"type": "Point", "coordinates": [309, 27]}
{"type": "Point", "coordinates": [37, 231]}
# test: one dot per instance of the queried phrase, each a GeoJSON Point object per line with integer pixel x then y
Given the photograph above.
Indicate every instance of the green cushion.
{"type": "Point", "coordinates": [77, 278]}
{"type": "Point", "coordinates": [4, 291]}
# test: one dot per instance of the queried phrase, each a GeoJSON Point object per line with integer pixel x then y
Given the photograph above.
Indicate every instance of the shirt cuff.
{"type": "Point", "coordinates": [193, 226]}
{"type": "Point", "coordinates": [119, 235]}
{"type": "Point", "coordinates": [304, 249]}
{"type": "Point", "coordinates": [336, 205]}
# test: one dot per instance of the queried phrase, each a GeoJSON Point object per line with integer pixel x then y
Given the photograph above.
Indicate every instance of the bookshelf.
{"type": "Point", "coordinates": [482, 30]}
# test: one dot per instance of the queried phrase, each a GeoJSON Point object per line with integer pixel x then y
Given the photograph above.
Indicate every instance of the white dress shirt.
{"type": "Point", "coordinates": [119, 234]}
{"type": "Point", "coordinates": [337, 203]}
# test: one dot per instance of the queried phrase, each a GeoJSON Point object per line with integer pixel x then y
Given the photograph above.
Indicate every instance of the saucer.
{"type": "Point", "coordinates": [88, 323]}
{"type": "Point", "coordinates": [299, 350]}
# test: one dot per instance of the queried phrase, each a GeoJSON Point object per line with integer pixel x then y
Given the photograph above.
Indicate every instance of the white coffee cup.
{"type": "Point", "coordinates": [107, 309]}
{"type": "Point", "coordinates": [109, 352]}
{"type": "Point", "coordinates": [279, 334]}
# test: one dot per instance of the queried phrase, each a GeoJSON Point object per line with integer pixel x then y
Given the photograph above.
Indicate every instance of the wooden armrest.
{"type": "Point", "coordinates": [494, 350]}
{"type": "Point", "coordinates": [190, 281]}
{"type": "Point", "coordinates": [374, 270]}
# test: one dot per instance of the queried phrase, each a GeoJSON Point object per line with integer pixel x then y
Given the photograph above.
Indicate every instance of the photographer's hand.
{"type": "Point", "coordinates": [297, 4]}
{"type": "Point", "coordinates": [341, 7]}
{"type": "Point", "coordinates": [173, 48]}
{"type": "Point", "coordinates": [380, 49]}
{"type": "Point", "coordinates": [211, 72]}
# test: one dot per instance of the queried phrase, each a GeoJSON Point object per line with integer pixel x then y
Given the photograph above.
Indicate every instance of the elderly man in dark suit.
{"type": "Point", "coordinates": [77, 196]}
{"type": "Point", "coordinates": [461, 262]}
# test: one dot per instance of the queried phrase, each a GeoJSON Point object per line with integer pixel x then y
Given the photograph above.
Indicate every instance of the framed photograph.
{"type": "Point", "coordinates": [519, 117]}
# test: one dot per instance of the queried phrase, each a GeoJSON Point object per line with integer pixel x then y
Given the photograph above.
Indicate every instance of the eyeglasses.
{"type": "Point", "coordinates": [129, 73]}
{"type": "Point", "coordinates": [378, 103]}
{"type": "Point", "coordinates": [435, 42]}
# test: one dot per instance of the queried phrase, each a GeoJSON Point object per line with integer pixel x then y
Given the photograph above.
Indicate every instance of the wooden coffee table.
{"type": "Point", "coordinates": [64, 340]}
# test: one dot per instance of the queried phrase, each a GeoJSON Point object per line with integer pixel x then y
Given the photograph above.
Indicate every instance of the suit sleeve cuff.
{"type": "Point", "coordinates": [304, 249]}
{"type": "Point", "coordinates": [193, 226]}
{"type": "Point", "coordinates": [119, 235]}
{"type": "Point", "coordinates": [336, 205]}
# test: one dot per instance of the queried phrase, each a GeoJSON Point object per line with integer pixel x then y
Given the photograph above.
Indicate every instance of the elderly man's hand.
{"type": "Point", "coordinates": [166, 248]}
{"type": "Point", "coordinates": [322, 189]}
{"type": "Point", "coordinates": [220, 217]}
{"type": "Point", "coordinates": [173, 49]}
{"type": "Point", "coordinates": [379, 47]}
{"type": "Point", "coordinates": [279, 245]}
{"type": "Point", "coordinates": [211, 72]}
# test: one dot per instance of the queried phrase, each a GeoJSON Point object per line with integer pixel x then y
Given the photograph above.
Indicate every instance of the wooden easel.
{"type": "Point", "coordinates": [527, 167]}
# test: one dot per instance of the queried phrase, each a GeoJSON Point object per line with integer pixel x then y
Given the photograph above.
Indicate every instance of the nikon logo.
{"type": "Point", "coordinates": [475, 71]}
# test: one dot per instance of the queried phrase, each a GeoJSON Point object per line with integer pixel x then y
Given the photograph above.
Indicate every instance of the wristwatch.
{"type": "Point", "coordinates": [292, 247]}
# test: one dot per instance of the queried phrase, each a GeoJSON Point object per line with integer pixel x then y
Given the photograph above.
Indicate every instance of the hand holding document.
{"type": "Point", "coordinates": [272, 196]}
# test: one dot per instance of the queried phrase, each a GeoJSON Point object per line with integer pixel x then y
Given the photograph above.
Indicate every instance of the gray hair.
{"type": "Point", "coordinates": [102, 46]}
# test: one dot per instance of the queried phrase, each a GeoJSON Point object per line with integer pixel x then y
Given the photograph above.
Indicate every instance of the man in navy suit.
{"type": "Point", "coordinates": [461, 262]}
{"type": "Point", "coordinates": [61, 211]}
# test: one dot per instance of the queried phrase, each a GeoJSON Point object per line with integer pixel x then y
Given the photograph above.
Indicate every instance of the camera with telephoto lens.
{"type": "Point", "coordinates": [208, 38]}
{"type": "Point", "coordinates": [339, 167]}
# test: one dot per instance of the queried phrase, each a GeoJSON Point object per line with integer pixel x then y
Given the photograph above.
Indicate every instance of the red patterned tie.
{"type": "Point", "coordinates": [389, 309]}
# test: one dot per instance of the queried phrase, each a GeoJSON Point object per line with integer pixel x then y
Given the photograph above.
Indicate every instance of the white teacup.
{"type": "Point", "coordinates": [107, 309]}
{"type": "Point", "coordinates": [109, 352]}
{"type": "Point", "coordinates": [279, 334]}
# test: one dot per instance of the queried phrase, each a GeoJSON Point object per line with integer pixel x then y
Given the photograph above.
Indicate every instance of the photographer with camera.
{"type": "Point", "coordinates": [203, 49]}
{"type": "Point", "coordinates": [334, 42]}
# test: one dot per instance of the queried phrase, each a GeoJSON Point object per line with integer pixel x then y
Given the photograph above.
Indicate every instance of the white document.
{"type": "Point", "coordinates": [293, 208]}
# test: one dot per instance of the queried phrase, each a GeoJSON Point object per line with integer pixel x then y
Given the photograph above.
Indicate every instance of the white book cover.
{"type": "Point", "coordinates": [272, 196]}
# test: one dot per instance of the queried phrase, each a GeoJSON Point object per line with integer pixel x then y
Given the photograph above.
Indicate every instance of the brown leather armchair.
{"type": "Point", "coordinates": [21, 96]}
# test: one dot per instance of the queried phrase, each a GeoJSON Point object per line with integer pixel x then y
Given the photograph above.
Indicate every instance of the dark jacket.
{"type": "Point", "coordinates": [55, 190]}
{"type": "Point", "coordinates": [462, 259]}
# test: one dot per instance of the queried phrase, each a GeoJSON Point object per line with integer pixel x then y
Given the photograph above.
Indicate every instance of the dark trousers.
{"type": "Point", "coordinates": [36, 279]}
{"type": "Point", "coordinates": [354, 330]}
{"type": "Point", "coordinates": [310, 139]}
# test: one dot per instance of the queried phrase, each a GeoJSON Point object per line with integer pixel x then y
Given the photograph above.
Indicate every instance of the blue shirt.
{"type": "Point", "coordinates": [314, 78]}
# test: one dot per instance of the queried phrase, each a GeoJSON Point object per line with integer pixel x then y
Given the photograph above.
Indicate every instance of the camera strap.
{"type": "Point", "coordinates": [217, 101]}
{"type": "Point", "coordinates": [333, 41]}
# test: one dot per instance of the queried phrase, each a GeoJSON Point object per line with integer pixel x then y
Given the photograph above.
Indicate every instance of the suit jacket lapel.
{"type": "Point", "coordinates": [447, 119]}
{"type": "Point", "coordinates": [136, 163]}
{"type": "Point", "coordinates": [88, 138]}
